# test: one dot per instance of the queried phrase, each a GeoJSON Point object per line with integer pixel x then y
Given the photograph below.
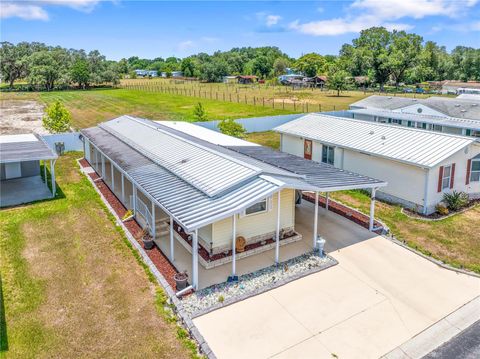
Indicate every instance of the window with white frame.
{"type": "Point", "coordinates": [328, 154]}
{"type": "Point", "coordinates": [475, 170]}
{"type": "Point", "coordinates": [447, 174]}
{"type": "Point", "coordinates": [257, 208]}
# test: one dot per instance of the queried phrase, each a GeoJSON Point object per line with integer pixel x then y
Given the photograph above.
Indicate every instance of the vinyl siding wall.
{"type": "Point", "coordinates": [257, 224]}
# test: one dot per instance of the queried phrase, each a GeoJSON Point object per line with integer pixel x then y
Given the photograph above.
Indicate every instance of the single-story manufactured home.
{"type": "Point", "coordinates": [222, 198]}
{"type": "Point", "coordinates": [21, 180]}
{"type": "Point", "coordinates": [419, 166]}
{"type": "Point", "coordinates": [453, 125]}
{"type": "Point", "coordinates": [457, 108]}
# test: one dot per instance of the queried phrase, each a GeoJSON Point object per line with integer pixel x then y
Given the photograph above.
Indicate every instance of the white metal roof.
{"type": "Point", "coordinates": [26, 147]}
{"type": "Point", "coordinates": [28, 137]}
{"type": "Point", "coordinates": [435, 120]}
{"type": "Point", "coordinates": [206, 134]}
{"type": "Point", "coordinates": [205, 169]}
{"type": "Point", "coordinates": [403, 144]}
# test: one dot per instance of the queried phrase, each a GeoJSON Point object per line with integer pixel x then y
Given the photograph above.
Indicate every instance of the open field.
{"type": "Point", "coordinates": [264, 95]}
{"type": "Point", "coordinates": [91, 107]}
{"type": "Point", "coordinates": [71, 286]}
{"type": "Point", "coordinates": [455, 240]}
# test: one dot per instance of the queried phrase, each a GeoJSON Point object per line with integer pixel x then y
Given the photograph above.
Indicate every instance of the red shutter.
{"type": "Point", "coordinates": [469, 167]}
{"type": "Point", "coordinates": [452, 176]}
{"type": "Point", "coordinates": [440, 177]}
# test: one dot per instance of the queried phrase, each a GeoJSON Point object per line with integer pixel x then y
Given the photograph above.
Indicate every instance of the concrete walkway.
{"type": "Point", "coordinates": [379, 296]}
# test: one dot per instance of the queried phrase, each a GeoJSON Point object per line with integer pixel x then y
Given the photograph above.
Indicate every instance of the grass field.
{"type": "Point", "coordinates": [71, 285]}
{"type": "Point", "coordinates": [90, 107]}
{"type": "Point", "coordinates": [455, 240]}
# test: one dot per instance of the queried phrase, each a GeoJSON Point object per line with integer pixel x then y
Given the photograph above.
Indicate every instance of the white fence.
{"type": "Point", "coordinates": [71, 141]}
{"type": "Point", "coordinates": [255, 124]}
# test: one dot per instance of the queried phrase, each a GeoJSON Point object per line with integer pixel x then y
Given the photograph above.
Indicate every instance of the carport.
{"type": "Point", "coordinates": [21, 179]}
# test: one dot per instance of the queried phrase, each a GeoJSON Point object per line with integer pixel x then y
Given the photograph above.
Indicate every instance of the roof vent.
{"type": "Point", "coordinates": [389, 97]}
{"type": "Point", "coordinates": [371, 133]}
{"type": "Point", "coordinates": [474, 104]}
{"type": "Point", "coordinates": [457, 105]}
{"type": "Point", "coordinates": [463, 111]}
{"type": "Point", "coordinates": [384, 138]}
{"type": "Point", "coordinates": [185, 160]}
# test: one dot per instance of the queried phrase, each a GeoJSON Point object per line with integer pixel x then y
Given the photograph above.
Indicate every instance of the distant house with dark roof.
{"type": "Point", "coordinates": [246, 79]}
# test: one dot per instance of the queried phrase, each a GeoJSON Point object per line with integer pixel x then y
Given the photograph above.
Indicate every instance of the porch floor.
{"type": "Point", "coordinates": [338, 231]}
{"type": "Point", "coordinates": [23, 190]}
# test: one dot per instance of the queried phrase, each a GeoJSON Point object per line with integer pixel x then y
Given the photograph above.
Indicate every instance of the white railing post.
{"type": "Point", "coordinates": [154, 230]}
{"type": "Point", "coordinates": [52, 173]}
{"type": "Point", "coordinates": [315, 222]}
{"type": "Point", "coordinates": [103, 166]}
{"type": "Point", "coordinates": [123, 189]}
{"type": "Point", "coordinates": [277, 231]}
{"type": "Point", "coordinates": [113, 178]}
{"type": "Point", "coordinates": [327, 201]}
{"type": "Point", "coordinates": [172, 248]}
{"type": "Point", "coordinates": [372, 209]}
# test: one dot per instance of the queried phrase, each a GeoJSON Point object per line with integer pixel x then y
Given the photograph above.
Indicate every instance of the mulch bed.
{"type": "Point", "coordinates": [156, 255]}
{"type": "Point", "coordinates": [351, 214]}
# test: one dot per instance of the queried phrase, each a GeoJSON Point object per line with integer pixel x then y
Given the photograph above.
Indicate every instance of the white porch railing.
{"type": "Point", "coordinates": [143, 210]}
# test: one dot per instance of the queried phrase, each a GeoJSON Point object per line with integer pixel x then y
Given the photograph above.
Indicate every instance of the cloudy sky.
{"type": "Point", "coordinates": [150, 29]}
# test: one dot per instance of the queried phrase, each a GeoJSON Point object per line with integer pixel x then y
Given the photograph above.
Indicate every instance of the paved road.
{"type": "Point", "coordinates": [465, 345]}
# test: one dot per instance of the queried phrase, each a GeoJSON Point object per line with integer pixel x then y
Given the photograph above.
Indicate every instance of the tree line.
{"type": "Point", "coordinates": [377, 55]}
{"type": "Point", "coordinates": [46, 68]}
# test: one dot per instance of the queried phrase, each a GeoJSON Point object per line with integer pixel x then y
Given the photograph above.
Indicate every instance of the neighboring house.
{"type": "Point", "coordinates": [446, 124]}
{"type": "Point", "coordinates": [459, 87]}
{"type": "Point", "coordinates": [315, 81]}
{"type": "Point", "coordinates": [205, 189]}
{"type": "Point", "coordinates": [230, 79]}
{"type": "Point", "coordinates": [419, 166]}
{"type": "Point", "coordinates": [20, 177]}
{"type": "Point", "coordinates": [435, 106]}
{"type": "Point", "coordinates": [173, 74]}
{"type": "Point", "coordinates": [246, 79]}
{"type": "Point", "coordinates": [146, 73]}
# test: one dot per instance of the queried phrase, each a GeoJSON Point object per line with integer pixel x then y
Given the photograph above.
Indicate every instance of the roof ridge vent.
{"type": "Point", "coordinates": [457, 105]}
{"type": "Point", "coordinates": [383, 137]}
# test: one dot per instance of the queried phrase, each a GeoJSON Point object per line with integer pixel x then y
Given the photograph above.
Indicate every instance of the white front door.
{"type": "Point", "coordinates": [13, 170]}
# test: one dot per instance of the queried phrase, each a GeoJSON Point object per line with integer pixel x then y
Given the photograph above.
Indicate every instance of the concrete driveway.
{"type": "Point", "coordinates": [376, 298]}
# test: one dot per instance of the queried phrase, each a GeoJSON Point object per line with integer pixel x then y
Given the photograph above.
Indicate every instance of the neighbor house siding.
{"type": "Point", "coordinates": [258, 224]}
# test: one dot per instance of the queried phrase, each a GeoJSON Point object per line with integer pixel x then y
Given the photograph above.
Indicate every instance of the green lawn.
{"type": "Point", "coordinates": [72, 286]}
{"type": "Point", "coordinates": [455, 240]}
{"type": "Point", "coordinates": [91, 107]}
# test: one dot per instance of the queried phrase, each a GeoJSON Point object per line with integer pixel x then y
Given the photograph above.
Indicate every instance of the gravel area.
{"type": "Point", "coordinates": [219, 295]}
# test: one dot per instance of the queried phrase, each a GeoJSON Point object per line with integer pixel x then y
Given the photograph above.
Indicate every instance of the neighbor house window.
{"type": "Point", "coordinates": [328, 154]}
{"type": "Point", "coordinates": [259, 207]}
{"type": "Point", "coordinates": [447, 173]}
{"type": "Point", "coordinates": [475, 171]}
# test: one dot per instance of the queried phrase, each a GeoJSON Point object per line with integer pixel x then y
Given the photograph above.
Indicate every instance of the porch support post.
{"type": "Point", "coordinates": [45, 172]}
{"type": "Point", "coordinates": [234, 236]}
{"type": "Point", "coordinates": [103, 166]}
{"type": "Point", "coordinates": [52, 172]}
{"type": "Point", "coordinates": [134, 199]}
{"type": "Point", "coordinates": [172, 248]}
{"type": "Point", "coordinates": [153, 221]}
{"type": "Point", "coordinates": [327, 201]}
{"type": "Point", "coordinates": [315, 222]}
{"type": "Point", "coordinates": [372, 209]}
{"type": "Point", "coordinates": [96, 159]}
{"type": "Point", "coordinates": [113, 178]}
{"type": "Point", "coordinates": [123, 188]}
{"type": "Point", "coordinates": [277, 232]}
{"type": "Point", "coordinates": [195, 260]}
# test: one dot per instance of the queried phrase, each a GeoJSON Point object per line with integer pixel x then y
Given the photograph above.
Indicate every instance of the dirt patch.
{"type": "Point", "coordinates": [21, 116]}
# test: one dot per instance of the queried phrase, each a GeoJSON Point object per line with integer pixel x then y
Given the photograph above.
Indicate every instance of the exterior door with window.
{"type": "Point", "coordinates": [307, 149]}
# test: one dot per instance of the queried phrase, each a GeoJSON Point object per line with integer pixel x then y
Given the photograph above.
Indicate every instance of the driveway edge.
{"type": "Point", "coordinates": [438, 333]}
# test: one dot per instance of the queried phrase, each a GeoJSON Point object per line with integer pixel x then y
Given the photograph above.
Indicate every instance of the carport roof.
{"type": "Point", "coordinates": [26, 147]}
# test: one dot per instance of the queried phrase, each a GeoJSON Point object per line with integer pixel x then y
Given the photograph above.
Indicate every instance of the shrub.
{"type": "Point", "coordinates": [232, 128]}
{"type": "Point", "coordinates": [57, 118]}
{"type": "Point", "coordinates": [199, 112]}
{"type": "Point", "coordinates": [441, 209]}
{"type": "Point", "coordinates": [221, 298]}
{"type": "Point", "coordinates": [455, 200]}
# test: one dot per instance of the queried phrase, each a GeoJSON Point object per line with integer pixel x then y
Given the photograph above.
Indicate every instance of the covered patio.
{"type": "Point", "coordinates": [339, 232]}
{"type": "Point", "coordinates": [23, 190]}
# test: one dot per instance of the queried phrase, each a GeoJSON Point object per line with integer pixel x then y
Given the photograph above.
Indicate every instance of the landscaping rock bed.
{"type": "Point", "coordinates": [219, 295]}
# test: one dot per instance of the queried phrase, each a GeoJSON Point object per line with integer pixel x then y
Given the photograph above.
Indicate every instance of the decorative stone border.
{"type": "Point", "coordinates": [327, 262]}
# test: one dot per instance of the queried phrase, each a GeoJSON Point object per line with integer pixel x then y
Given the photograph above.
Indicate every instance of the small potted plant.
{"type": "Point", "coordinates": [181, 280]}
{"type": "Point", "coordinates": [147, 239]}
